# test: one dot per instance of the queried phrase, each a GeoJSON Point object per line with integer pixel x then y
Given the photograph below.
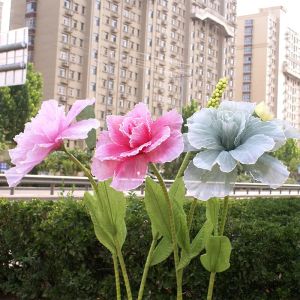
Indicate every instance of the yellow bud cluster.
{"type": "Point", "coordinates": [214, 101]}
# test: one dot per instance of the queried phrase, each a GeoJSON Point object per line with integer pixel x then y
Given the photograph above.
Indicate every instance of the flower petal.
{"type": "Point", "coordinates": [159, 138]}
{"type": "Point", "coordinates": [130, 173]}
{"type": "Point", "coordinates": [206, 159]}
{"type": "Point", "coordinates": [226, 162]}
{"type": "Point", "coordinates": [140, 110]}
{"type": "Point", "coordinates": [113, 126]}
{"type": "Point", "coordinates": [202, 133]}
{"type": "Point", "coordinates": [204, 184]}
{"type": "Point", "coordinates": [140, 135]}
{"type": "Point", "coordinates": [269, 170]}
{"type": "Point", "coordinates": [253, 148]}
{"type": "Point", "coordinates": [171, 119]}
{"type": "Point", "coordinates": [103, 169]}
{"type": "Point", "coordinates": [187, 146]}
{"type": "Point", "coordinates": [77, 107]}
{"type": "Point", "coordinates": [168, 150]}
{"type": "Point", "coordinates": [79, 130]}
{"type": "Point", "coordinates": [238, 106]}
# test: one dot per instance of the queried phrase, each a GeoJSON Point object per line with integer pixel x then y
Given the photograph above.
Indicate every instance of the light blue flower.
{"type": "Point", "coordinates": [225, 138]}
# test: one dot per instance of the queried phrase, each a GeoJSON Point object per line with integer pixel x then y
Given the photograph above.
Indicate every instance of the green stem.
{"type": "Point", "coordinates": [173, 229]}
{"type": "Point", "coordinates": [211, 285]}
{"type": "Point", "coordinates": [86, 172]}
{"type": "Point", "coordinates": [184, 165]}
{"type": "Point", "coordinates": [222, 226]}
{"type": "Point", "coordinates": [117, 277]}
{"type": "Point", "coordinates": [191, 213]}
{"type": "Point", "coordinates": [124, 271]}
{"type": "Point", "coordinates": [147, 266]}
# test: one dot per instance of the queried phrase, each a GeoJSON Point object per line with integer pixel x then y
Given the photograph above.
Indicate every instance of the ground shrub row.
{"type": "Point", "coordinates": [48, 251]}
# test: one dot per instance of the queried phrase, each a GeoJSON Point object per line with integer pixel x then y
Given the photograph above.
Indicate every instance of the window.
{"type": "Point", "coordinates": [81, 26]}
{"type": "Point", "coordinates": [61, 90]}
{"type": "Point", "coordinates": [83, 9]}
{"type": "Point", "coordinates": [65, 38]}
{"type": "Point", "coordinates": [94, 70]}
{"type": "Point", "coordinates": [93, 86]}
{"type": "Point", "coordinates": [78, 76]}
{"type": "Point", "coordinates": [30, 7]}
{"type": "Point", "coordinates": [114, 23]}
{"type": "Point", "coordinates": [125, 28]}
{"type": "Point", "coordinates": [67, 21]}
{"type": "Point", "coordinates": [122, 88]}
{"type": "Point", "coordinates": [124, 43]}
{"type": "Point", "coordinates": [63, 55]}
{"type": "Point", "coordinates": [247, 59]}
{"type": "Point", "coordinates": [73, 39]}
{"type": "Point", "coordinates": [30, 22]}
{"type": "Point", "coordinates": [109, 100]}
{"type": "Point", "coordinates": [113, 38]}
{"type": "Point", "coordinates": [248, 50]}
{"type": "Point", "coordinates": [62, 72]}
{"type": "Point", "coordinates": [81, 42]}
{"type": "Point", "coordinates": [114, 7]}
{"type": "Point", "coordinates": [76, 7]}
{"type": "Point", "coordinates": [67, 4]}
{"type": "Point", "coordinates": [246, 97]}
{"type": "Point", "coordinates": [248, 40]}
{"type": "Point", "coordinates": [95, 54]}
{"type": "Point", "coordinates": [247, 68]}
{"type": "Point", "coordinates": [96, 37]}
{"type": "Point", "coordinates": [246, 78]}
{"type": "Point", "coordinates": [249, 22]}
{"type": "Point", "coordinates": [98, 4]}
{"type": "Point", "coordinates": [123, 73]}
{"type": "Point", "coordinates": [97, 21]}
{"type": "Point", "coordinates": [110, 84]}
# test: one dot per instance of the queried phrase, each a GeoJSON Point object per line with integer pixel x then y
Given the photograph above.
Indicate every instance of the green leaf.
{"type": "Point", "coordinates": [200, 239]}
{"type": "Point", "coordinates": [212, 212]}
{"type": "Point", "coordinates": [107, 210]}
{"type": "Point", "coordinates": [177, 191]}
{"type": "Point", "coordinates": [162, 251]}
{"type": "Point", "coordinates": [217, 256]}
{"type": "Point", "coordinates": [157, 208]}
{"type": "Point", "coordinates": [89, 113]}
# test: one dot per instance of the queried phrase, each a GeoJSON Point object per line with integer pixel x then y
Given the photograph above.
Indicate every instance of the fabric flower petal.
{"type": "Point", "coordinates": [77, 107]}
{"type": "Point", "coordinates": [206, 159]}
{"type": "Point", "coordinates": [103, 169]}
{"type": "Point", "coordinates": [226, 162]}
{"type": "Point", "coordinates": [130, 173]}
{"type": "Point", "coordinates": [238, 106]}
{"type": "Point", "coordinates": [159, 138]}
{"type": "Point", "coordinates": [187, 146]}
{"type": "Point", "coordinates": [113, 126]}
{"type": "Point", "coordinates": [168, 150]}
{"type": "Point", "coordinates": [269, 170]}
{"type": "Point", "coordinates": [252, 149]}
{"type": "Point", "coordinates": [79, 130]}
{"type": "Point", "coordinates": [204, 184]}
{"type": "Point", "coordinates": [171, 119]}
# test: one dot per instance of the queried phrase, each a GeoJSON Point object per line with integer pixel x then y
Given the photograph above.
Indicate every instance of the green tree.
{"type": "Point", "coordinates": [18, 104]}
{"type": "Point", "coordinates": [171, 168]}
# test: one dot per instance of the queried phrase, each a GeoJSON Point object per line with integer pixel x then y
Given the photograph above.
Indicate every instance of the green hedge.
{"type": "Point", "coordinates": [48, 251]}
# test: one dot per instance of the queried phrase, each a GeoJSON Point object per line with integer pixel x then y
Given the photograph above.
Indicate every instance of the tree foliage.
{"type": "Point", "coordinates": [18, 104]}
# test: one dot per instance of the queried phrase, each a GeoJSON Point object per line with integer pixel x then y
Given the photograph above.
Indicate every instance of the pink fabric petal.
{"type": "Point", "coordinates": [79, 130]}
{"type": "Point", "coordinates": [14, 176]}
{"type": "Point", "coordinates": [140, 110]}
{"type": "Point", "coordinates": [77, 108]}
{"type": "Point", "coordinates": [172, 119]}
{"type": "Point", "coordinates": [104, 169]}
{"type": "Point", "coordinates": [130, 173]}
{"type": "Point", "coordinates": [139, 136]}
{"type": "Point", "coordinates": [159, 138]}
{"type": "Point", "coordinates": [136, 150]}
{"type": "Point", "coordinates": [168, 150]}
{"type": "Point", "coordinates": [113, 126]}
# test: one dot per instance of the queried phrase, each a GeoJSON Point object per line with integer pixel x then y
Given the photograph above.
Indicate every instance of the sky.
{"type": "Point", "coordinates": [245, 7]}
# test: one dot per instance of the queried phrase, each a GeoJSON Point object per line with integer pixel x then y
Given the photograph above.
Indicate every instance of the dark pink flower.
{"type": "Point", "coordinates": [131, 142]}
{"type": "Point", "coordinates": [44, 134]}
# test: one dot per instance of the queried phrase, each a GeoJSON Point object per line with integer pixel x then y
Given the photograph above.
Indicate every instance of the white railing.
{"type": "Point", "coordinates": [45, 186]}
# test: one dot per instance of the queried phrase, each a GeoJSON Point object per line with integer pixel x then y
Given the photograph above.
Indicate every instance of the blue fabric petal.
{"type": "Point", "coordinates": [187, 145]}
{"type": "Point", "coordinates": [269, 170]}
{"type": "Point", "coordinates": [206, 159]}
{"type": "Point", "coordinates": [238, 106]}
{"type": "Point", "coordinates": [204, 184]}
{"type": "Point", "coordinates": [226, 162]}
{"type": "Point", "coordinates": [272, 129]}
{"type": "Point", "coordinates": [253, 148]}
{"type": "Point", "coordinates": [289, 131]}
{"type": "Point", "coordinates": [202, 132]}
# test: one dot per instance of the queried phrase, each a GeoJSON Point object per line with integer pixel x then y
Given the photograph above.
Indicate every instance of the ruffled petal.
{"type": "Point", "coordinates": [77, 108]}
{"type": "Point", "coordinates": [130, 173]}
{"type": "Point", "coordinates": [187, 146]}
{"type": "Point", "coordinates": [206, 159]}
{"type": "Point", "coordinates": [103, 170]}
{"type": "Point", "coordinates": [289, 131]}
{"type": "Point", "coordinates": [238, 106]}
{"type": "Point", "coordinates": [202, 132]}
{"type": "Point", "coordinates": [226, 162]}
{"type": "Point", "coordinates": [204, 184]}
{"type": "Point", "coordinates": [253, 148]}
{"type": "Point", "coordinates": [113, 126]}
{"type": "Point", "coordinates": [269, 170]}
{"type": "Point", "coordinates": [140, 135]}
{"type": "Point", "coordinates": [79, 130]}
{"type": "Point", "coordinates": [168, 150]}
{"type": "Point", "coordinates": [171, 119]}
{"type": "Point", "coordinates": [159, 138]}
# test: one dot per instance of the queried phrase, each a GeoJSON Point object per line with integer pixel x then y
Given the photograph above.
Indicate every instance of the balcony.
{"type": "Point", "coordinates": [69, 12]}
{"type": "Point", "coordinates": [211, 15]}
{"type": "Point", "coordinates": [64, 80]}
{"type": "Point", "coordinates": [65, 63]}
{"type": "Point", "coordinates": [67, 29]}
{"type": "Point", "coordinates": [113, 29]}
{"type": "Point", "coordinates": [62, 98]}
{"type": "Point", "coordinates": [291, 72]}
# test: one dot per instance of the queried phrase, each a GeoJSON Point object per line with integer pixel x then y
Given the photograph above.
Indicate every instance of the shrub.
{"type": "Point", "coordinates": [48, 251]}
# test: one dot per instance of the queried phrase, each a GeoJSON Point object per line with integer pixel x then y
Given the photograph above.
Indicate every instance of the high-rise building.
{"type": "Point", "coordinates": [120, 52]}
{"type": "Point", "coordinates": [268, 62]}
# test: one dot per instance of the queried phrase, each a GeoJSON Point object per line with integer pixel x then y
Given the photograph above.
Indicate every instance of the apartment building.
{"type": "Point", "coordinates": [163, 53]}
{"type": "Point", "coordinates": [268, 62]}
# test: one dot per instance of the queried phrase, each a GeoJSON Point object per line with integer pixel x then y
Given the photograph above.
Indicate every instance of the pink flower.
{"type": "Point", "coordinates": [131, 142]}
{"type": "Point", "coordinates": [44, 134]}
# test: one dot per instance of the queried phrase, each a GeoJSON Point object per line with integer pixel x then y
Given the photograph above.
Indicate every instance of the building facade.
{"type": "Point", "coordinates": [163, 53]}
{"type": "Point", "coordinates": [268, 63]}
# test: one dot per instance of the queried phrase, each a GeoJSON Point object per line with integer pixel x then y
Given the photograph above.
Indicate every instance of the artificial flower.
{"type": "Point", "coordinates": [131, 142]}
{"type": "Point", "coordinates": [44, 134]}
{"type": "Point", "coordinates": [263, 112]}
{"type": "Point", "coordinates": [225, 138]}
